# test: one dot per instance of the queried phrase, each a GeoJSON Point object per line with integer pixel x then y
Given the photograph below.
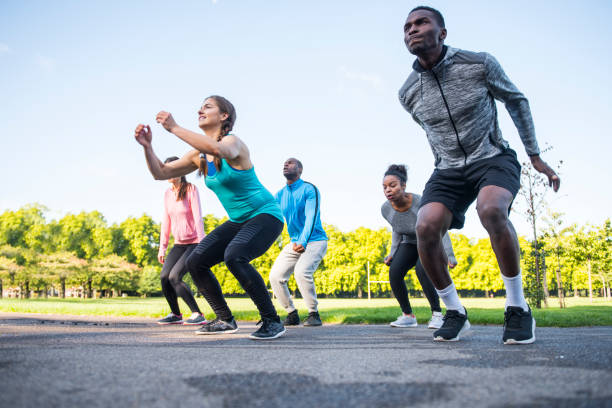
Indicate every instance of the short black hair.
{"type": "Point", "coordinates": [435, 12]}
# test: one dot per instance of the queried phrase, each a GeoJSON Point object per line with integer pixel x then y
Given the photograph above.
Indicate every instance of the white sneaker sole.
{"type": "Point", "coordinates": [434, 326]}
{"type": "Point", "coordinates": [403, 326]}
{"type": "Point", "coordinates": [217, 332]}
{"type": "Point", "coordinates": [195, 324]}
{"type": "Point", "coordinates": [464, 329]}
{"type": "Point", "coordinates": [279, 334]}
{"type": "Point", "coordinates": [528, 341]}
{"type": "Point", "coordinates": [168, 324]}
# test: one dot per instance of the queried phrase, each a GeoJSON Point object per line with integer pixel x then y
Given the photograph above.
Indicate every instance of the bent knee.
{"type": "Point", "coordinates": [492, 216]}
{"type": "Point", "coordinates": [427, 231]}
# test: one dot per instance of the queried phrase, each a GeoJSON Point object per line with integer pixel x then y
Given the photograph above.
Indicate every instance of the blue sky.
{"type": "Point", "coordinates": [317, 80]}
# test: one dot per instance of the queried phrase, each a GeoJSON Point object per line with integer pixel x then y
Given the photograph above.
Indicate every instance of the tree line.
{"type": "Point", "coordinates": [83, 254]}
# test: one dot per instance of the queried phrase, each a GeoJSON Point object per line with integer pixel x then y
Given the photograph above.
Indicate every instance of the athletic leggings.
{"type": "Point", "coordinates": [172, 278]}
{"type": "Point", "coordinates": [236, 244]}
{"type": "Point", "coordinates": [403, 260]}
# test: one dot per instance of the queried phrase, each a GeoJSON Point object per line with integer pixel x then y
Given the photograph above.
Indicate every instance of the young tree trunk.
{"type": "Point", "coordinates": [89, 291]}
{"type": "Point", "coordinates": [46, 292]}
{"type": "Point", "coordinates": [63, 287]}
{"type": "Point", "coordinates": [0, 288]}
{"type": "Point", "coordinates": [359, 292]}
{"type": "Point", "coordinates": [590, 281]}
{"type": "Point", "coordinates": [544, 282]}
{"type": "Point", "coordinates": [27, 289]}
{"type": "Point", "coordinates": [560, 291]}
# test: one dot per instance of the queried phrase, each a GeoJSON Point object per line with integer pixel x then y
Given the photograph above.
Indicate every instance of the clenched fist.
{"type": "Point", "coordinates": [166, 120]}
{"type": "Point", "coordinates": [143, 135]}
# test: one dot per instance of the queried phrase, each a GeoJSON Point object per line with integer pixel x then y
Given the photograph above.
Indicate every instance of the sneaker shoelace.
{"type": "Point", "coordinates": [512, 318]}
{"type": "Point", "coordinates": [452, 319]}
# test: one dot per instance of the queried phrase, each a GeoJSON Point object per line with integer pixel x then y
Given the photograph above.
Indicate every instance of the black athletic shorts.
{"type": "Point", "coordinates": [458, 188]}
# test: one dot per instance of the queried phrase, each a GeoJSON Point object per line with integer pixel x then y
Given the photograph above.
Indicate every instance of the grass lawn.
{"type": "Point", "coordinates": [481, 311]}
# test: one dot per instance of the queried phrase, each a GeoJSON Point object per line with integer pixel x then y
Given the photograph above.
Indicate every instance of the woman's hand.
{"type": "Point", "coordinates": [143, 135]}
{"type": "Point", "coordinates": [161, 258]}
{"type": "Point", "coordinates": [388, 260]}
{"type": "Point", "coordinates": [166, 120]}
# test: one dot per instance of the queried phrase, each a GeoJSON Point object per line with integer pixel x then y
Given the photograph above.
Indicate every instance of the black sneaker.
{"type": "Point", "coordinates": [218, 326]}
{"type": "Point", "coordinates": [313, 319]}
{"type": "Point", "coordinates": [455, 325]}
{"type": "Point", "coordinates": [269, 329]}
{"type": "Point", "coordinates": [292, 319]}
{"type": "Point", "coordinates": [171, 319]}
{"type": "Point", "coordinates": [519, 326]}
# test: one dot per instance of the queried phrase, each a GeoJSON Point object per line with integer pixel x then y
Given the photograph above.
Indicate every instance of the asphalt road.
{"type": "Point", "coordinates": [60, 361]}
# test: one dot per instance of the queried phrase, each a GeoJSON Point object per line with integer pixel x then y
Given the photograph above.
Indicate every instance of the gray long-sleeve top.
{"type": "Point", "coordinates": [454, 103]}
{"type": "Point", "coordinates": [403, 227]}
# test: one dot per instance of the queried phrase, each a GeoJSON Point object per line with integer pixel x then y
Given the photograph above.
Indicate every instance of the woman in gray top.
{"type": "Point", "coordinates": [400, 210]}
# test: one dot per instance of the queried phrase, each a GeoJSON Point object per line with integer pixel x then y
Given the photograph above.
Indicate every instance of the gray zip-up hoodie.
{"type": "Point", "coordinates": [454, 103]}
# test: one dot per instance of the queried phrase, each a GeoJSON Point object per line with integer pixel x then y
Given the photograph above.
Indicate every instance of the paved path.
{"type": "Point", "coordinates": [61, 361]}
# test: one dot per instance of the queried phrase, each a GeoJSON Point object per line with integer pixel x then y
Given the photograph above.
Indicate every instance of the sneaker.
{"type": "Point", "coordinates": [436, 321]}
{"type": "Point", "coordinates": [519, 326]}
{"type": "Point", "coordinates": [455, 325]}
{"type": "Point", "coordinates": [313, 319]}
{"type": "Point", "coordinates": [269, 329]}
{"type": "Point", "coordinates": [196, 318]}
{"type": "Point", "coordinates": [405, 321]}
{"type": "Point", "coordinates": [292, 319]}
{"type": "Point", "coordinates": [171, 319]}
{"type": "Point", "coordinates": [218, 326]}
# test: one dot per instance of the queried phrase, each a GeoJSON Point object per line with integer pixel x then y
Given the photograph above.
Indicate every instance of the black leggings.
{"type": "Point", "coordinates": [172, 278]}
{"type": "Point", "coordinates": [236, 244]}
{"type": "Point", "coordinates": [403, 260]}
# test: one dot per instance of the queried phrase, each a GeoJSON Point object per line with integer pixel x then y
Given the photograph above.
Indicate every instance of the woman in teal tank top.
{"type": "Point", "coordinates": [255, 217]}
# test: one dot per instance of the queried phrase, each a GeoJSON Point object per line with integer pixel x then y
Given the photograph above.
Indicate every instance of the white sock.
{"type": "Point", "coordinates": [450, 297]}
{"type": "Point", "coordinates": [514, 292]}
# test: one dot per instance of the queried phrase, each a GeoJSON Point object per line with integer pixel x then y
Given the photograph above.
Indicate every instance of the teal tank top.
{"type": "Point", "coordinates": [241, 193]}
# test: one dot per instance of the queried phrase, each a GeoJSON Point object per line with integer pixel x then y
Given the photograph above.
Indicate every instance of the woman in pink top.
{"type": "Point", "coordinates": [182, 216]}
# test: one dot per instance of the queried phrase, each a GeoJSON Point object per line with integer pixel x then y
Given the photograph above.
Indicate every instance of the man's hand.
{"type": "Point", "coordinates": [299, 248]}
{"type": "Point", "coordinates": [388, 260]}
{"type": "Point", "coordinates": [452, 264]}
{"type": "Point", "coordinates": [143, 135]}
{"type": "Point", "coordinates": [540, 165]}
{"type": "Point", "coordinates": [166, 120]}
{"type": "Point", "coordinates": [161, 258]}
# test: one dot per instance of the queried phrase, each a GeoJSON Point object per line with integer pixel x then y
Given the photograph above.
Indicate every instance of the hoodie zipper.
{"type": "Point", "coordinates": [451, 118]}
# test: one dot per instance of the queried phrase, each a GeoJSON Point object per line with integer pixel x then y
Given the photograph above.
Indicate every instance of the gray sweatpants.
{"type": "Point", "coordinates": [304, 265]}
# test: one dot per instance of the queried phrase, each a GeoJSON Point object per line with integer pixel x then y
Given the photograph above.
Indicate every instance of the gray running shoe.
{"type": "Point", "coordinates": [218, 326]}
{"type": "Point", "coordinates": [196, 318]}
{"type": "Point", "coordinates": [171, 319]}
{"type": "Point", "coordinates": [269, 329]}
{"type": "Point", "coordinates": [313, 319]}
{"type": "Point", "coordinates": [404, 321]}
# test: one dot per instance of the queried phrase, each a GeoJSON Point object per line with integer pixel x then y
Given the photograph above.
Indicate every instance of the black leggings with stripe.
{"type": "Point", "coordinates": [405, 258]}
{"type": "Point", "coordinates": [236, 244]}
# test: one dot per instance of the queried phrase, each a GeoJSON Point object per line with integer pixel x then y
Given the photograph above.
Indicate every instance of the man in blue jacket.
{"type": "Point", "coordinates": [451, 94]}
{"type": "Point", "coordinates": [300, 203]}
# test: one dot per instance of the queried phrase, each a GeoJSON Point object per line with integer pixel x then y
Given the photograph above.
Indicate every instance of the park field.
{"type": "Point", "coordinates": [580, 312]}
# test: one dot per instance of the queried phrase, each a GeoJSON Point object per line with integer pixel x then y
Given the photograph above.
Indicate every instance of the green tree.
{"type": "Point", "coordinates": [141, 240]}
{"type": "Point", "coordinates": [62, 266]}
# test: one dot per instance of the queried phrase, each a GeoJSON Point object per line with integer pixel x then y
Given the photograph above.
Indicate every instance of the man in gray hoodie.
{"type": "Point", "coordinates": [451, 94]}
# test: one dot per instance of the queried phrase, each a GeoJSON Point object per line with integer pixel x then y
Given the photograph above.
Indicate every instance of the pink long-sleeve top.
{"type": "Point", "coordinates": [183, 218]}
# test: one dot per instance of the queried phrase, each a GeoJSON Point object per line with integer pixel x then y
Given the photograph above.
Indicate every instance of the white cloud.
{"type": "Point", "coordinates": [4, 48]}
{"type": "Point", "coordinates": [373, 79]}
{"type": "Point", "coordinates": [46, 63]}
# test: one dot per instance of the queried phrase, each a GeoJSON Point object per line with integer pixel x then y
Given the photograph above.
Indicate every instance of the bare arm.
{"type": "Point", "coordinates": [159, 170]}
{"type": "Point", "coordinates": [230, 147]}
